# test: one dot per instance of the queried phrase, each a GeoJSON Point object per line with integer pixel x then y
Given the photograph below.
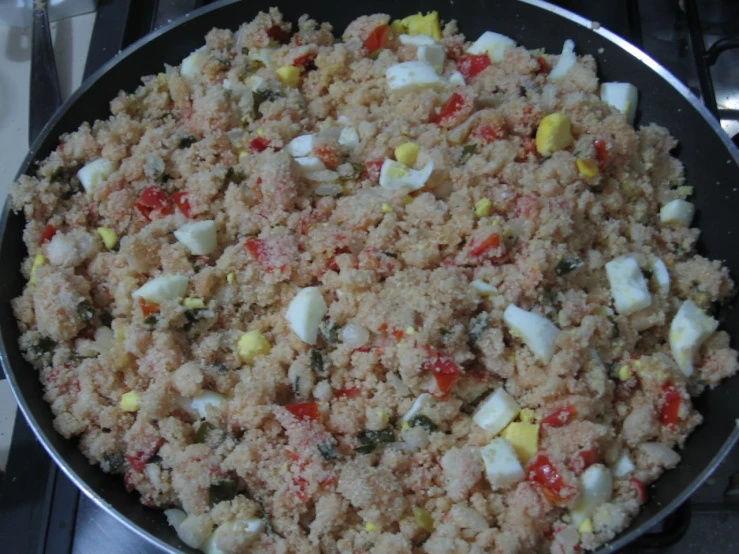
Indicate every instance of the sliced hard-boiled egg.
{"type": "Point", "coordinates": [309, 164]}
{"type": "Point", "coordinates": [553, 134]}
{"type": "Point", "coordinates": [661, 275]}
{"type": "Point", "coordinates": [483, 288]}
{"type": "Point", "coordinates": [397, 176]}
{"type": "Point", "coordinates": [305, 312]}
{"type": "Point", "coordinates": [423, 401]}
{"type": "Point", "coordinates": [677, 212]}
{"type": "Point", "coordinates": [251, 345]}
{"type": "Point", "coordinates": [502, 467]}
{"type": "Point", "coordinates": [94, 173]}
{"type": "Point", "coordinates": [492, 44]}
{"type": "Point", "coordinates": [163, 288]}
{"type": "Point", "coordinates": [689, 329]}
{"type": "Point", "coordinates": [536, 331]}
{"type": "Point", "coordinates": [199, 236]}
{"type": "Point", "coordinates": [496, 412]}
{"type": "Point", "coordinates": [628, 286]}
{"type": "Point", "coordinates": [414, 75]}
{"type": "Point", "coordinates": [456, 79]}
{"type": "Point", "coordinates": [596, 488]}
{"type": "Point", "coordinates": [349, 138]}
{"type": "Point", "coordinates": [300, 146]}
{"type": "Point", "coordinates": [420, 24]}
{"type": "Point", "coordinates": [199, 404]}
{"type": "Point", "coordinates": [288, 75]}
{"type": "Point", "coordinates": [416, 40]}
{"type": "Point", "coordinates": [407, 153]}
{"type": "Point", "coordinates": [566, 61]}
{"type": "Point", "coordinates": [622, 96]}
{"type": "Point", "coordinates": [623, 466]}
{"type": "Point", "coordinates": [524, 437]}
{"type": "Point", "coordinates": [248, 531]}
{"type": "Point", "coordinates": [193, 64]}
{"type": "Point", "coordinates": [433, 54]}
{"type": "Point", "coordinates": [323, 176]}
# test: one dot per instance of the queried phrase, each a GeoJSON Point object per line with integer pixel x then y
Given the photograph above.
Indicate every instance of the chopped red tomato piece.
{"type": "Point", "coordinates": [373, 169]}
{"type": "Point", "coordinates": [377, 39]}
{"type": "Point", "coordinates": [302, 486]}
{"type": "Point", "coordinates": [601, 153]}
{"type": "Point", "coordinates": [543, 472]}
{"type": "Point", "coordinates": [330, 157]}
{"type": "Point", "coordinates": [148, 308]}
{"type": "Point", "coordinates": [48, 234]}
{"type": "Point", "coordinates": [453, 106]}
{"type": "Point", "coordinates": [544, 66]}
{"type": "Point", "coordinates": [259, 144]}
{"type": "Point", "coordinates": [641, 489]}
{"type": "Point", "coordinates": [154, 201]}
{"type": "Point", "coordinates": [182, 201]}
{"type": "Point", "coordinates": [488, 243]}
{"type": "Point", "coordinates": [399, 334]}
{"type": "Point", "coordinates": [306, 60]}
{"type": "Point", "coordinates": [583, 460]}
{"type": "Point", "coordinates": [305, 410]}
{"type": "Point", "coordinates": [445, 370]}
{"type": "Point", "coordinates": [472, 64]}
{"type": "Point", "coordinates": [526, 207]}
{"type": "Point", "coordinates": [279, 34]}
{"type": "Point", "coordinates": [139, 460]}
{"type": "Point", "coordinates": [528, 147]}
{"type": "Point", "coordinates": [489, 133]}
{"type": "Point", "coordinates": [671, 401]}
{"type": "Point", "coordinates": [559, 418]}
{"type": "Point", "coordinates": [350, 392]}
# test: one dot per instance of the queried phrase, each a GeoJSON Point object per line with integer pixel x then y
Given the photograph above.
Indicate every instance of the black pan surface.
{"type": "Point", "coordinates": [711, 161]}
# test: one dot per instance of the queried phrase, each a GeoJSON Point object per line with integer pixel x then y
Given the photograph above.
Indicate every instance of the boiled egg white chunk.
{"type": "Point", "coordinates": [94, 173]}
{"type": "Point", "coordinates": [566, 61]}
{"type": "Point", "coordinates": [193, 64]}
{"type": "Point", "coordinates": [537, 332]}
{"type": "Point", "coordinates": [622, 96]}
{"type": "Point", "coordinates": [661, 275]}
{"type": "Point", "coordinates": [433, 54]}
{"type": "Point", "coordinates": [496, 412]}
{"type": "Point", "coordinates": [414, 75]}
{"type": "Point", "coordinates": [349, 138]}
{"type": "Point", "coordinates": [623, 466]}
{"type": "Point", "coordinates": [199, 236]}
{"type": "Point", "coordinates": [423, 401]}
{"type": "Point", "coordinates": [300, 146]}
{"type": "Point", "coordinates": [677, 212]}
{"type": "Point", "coordinates": [163, 288]}
{"type": "Point", "coordinates": [492, 44]}
{"type": "Point", "coordinates": [396, 176]}
{"type": "Point", "coordinates": [309, 164]}
{"type": "Point", "coordinates": [199, 404]}
{"type": "Point", "coordinates": [483, 288]}
{"type": "Point", "coordinates": [502, 467]}
{"type": "Point", "coordinates": [628, 285]}
{"type": "Point", "coordinates": [417, 40]}
{"type": "Point", "coordinates": [305, 312]}
{"type": "Point", "coordinates": [456, 79]}
{"type": "Point", "coordinates": [689, 329]}
{"type": "Point", "coordinates": [596, 488]}
{"type": "Point", "coordinates": [248, 529]}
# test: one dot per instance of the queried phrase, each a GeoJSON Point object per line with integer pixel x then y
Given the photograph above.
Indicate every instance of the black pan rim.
{"type": "Point", "coordinates": [625, 537]}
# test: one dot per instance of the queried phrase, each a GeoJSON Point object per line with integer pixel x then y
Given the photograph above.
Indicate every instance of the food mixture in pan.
{"type": "Point", "coordinates": [397, 292]}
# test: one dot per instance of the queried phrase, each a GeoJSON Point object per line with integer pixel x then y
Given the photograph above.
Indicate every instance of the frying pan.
{"type": "Point", "coordinates": [711, 161]}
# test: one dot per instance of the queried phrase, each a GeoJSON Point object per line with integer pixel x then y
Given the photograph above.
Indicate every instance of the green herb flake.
{"type": "Point", "coordinates": [186, 142]}
{"type": "Point", "coordinates": [369, 440]}
{"type": "Point", "coordinates": [234, 176]}
{"type": "Point", "coordinates": [85, 311]}
{"type": "Point", "coordinates": [358, 170]}
{"type": "Point", "coordinates": [425, 422]}
{"type": "Point", "coordinates": [567, 265]}
{"type": "Point", "coordinates": [317, 363]}
{"type": "Point", "coordinates": [220, 492]}
{"type": "Point", "coordinates": [113, 462]}
{"type": "Point", "coordinates": [192, 316]}
{"type": "Point", "coordinates": [260, 96]}
{"type": "Point", "coordinates": [220, 367]}
{"type": "Point", "coordinates": [151, 321]}
{"type": "Point", "coordinates": [205, 428]}
{"type": "Point", "coordinates": [390, 254]}
{"type": "Point", "coordinates": [105, 318]}
{"type": "Point", "coordinates": [478, 326]}
{"type": "Point", "coordinates": [467, 152]}
{"type": "Point", "coordinates": [329, 331]}
{"type": "Point", "coordinates": [328, 451]}
{"type": "Point", "coordinates": [43, 346]}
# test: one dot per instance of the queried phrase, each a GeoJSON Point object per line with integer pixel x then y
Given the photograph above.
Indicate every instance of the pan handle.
{"type": "Point", "coordinates": [45, 94]}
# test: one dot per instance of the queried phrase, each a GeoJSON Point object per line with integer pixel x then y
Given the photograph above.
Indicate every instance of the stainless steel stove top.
{"type": "Point", "coordinates": [48, 516]}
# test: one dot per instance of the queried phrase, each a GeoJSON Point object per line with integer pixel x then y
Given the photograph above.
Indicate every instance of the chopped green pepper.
{"type": "Point", "coordinates": [566, 265]}
{"type": "Point", "coordinates": [425, 422]}
{"type": "Point", "coordinates": [369, 440]}
{"type": "Point", "coordinates": [316, 363]}
{"type": "Point", "coordinates": [328, 451]}
{"type": "Point", "coordinates": [467, 152]}
{"type": "Point", "coordinates": [186, 142]}
{"type": "Point", "coordinates": [85, 311]}
{"type": "Point", "coordinates": [220, 492]}
{"type": "Point", "coordinates": [205, 428]}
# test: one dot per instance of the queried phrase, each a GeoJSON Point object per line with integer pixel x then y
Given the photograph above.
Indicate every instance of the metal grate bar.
{"type": "Point", "coordinates": [708, 94]}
